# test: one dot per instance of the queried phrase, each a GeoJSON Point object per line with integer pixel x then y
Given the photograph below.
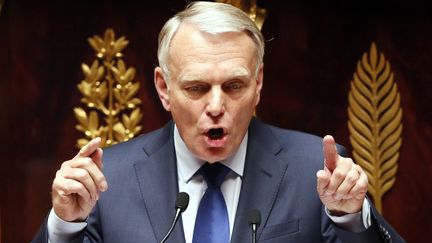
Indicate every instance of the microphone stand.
{"type": "Point", "coordinates": [177, 214]}
{"type": "Point", "coordinates": [254, 233]}
{"type": "Point", "coordinates": [181, 204]}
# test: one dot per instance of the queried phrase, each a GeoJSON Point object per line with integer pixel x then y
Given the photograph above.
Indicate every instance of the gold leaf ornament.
{"type": "Point", "coordinates": [375, 122]}
{"type": "Point", "coordinates": [256, 13]}
{"type": "Point", "coordinates": [108, 48]}
{"type": "Point", "coordinates": [108, 92]}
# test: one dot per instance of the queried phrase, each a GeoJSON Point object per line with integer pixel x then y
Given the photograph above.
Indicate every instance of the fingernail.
{"type": "Point", "coordinates": [103, 186]}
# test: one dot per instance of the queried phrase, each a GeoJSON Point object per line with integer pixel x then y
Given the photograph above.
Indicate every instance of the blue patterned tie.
{"type": "Point", "coordinates": [212, 224]}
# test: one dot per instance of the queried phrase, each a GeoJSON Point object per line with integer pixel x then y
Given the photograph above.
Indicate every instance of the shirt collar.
{"type": "Point", "coordinates": [188, 164]}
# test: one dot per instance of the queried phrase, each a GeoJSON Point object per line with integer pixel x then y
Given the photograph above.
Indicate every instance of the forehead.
{"type": "Point", "coordinates": [192, 49]}
{"type": "Point", "coordinates": [189, 75]}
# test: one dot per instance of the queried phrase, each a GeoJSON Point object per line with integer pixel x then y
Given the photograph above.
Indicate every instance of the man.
{"type": "Point", "coordinates": [210, 78]}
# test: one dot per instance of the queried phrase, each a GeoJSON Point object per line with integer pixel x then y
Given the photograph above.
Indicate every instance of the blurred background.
{"type": "Point", "coordinates": [312, 51]}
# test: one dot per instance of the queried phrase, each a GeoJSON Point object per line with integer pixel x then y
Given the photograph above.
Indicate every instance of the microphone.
{"type": "Point", "coordinates": [254, 221]}
{"type": "Point", "coordinates": [181, 204]}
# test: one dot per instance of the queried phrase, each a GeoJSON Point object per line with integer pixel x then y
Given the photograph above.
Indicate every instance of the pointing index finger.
{"type": "Point", "coordinates": [97, 157]}
{"type": "Point", "coordinates": [89, 148]}
{"type": "Point", "coordinates": [330, 153]}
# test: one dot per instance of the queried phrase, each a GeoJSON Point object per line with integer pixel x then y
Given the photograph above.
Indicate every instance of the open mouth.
{"type": "Point", "coordinates": [215, 133]}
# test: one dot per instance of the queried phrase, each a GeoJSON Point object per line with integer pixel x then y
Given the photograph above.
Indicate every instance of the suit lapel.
{"type": "Point", "coordinates": [262, 176]}
{"type": "Point", "coordinates": [157, 178]}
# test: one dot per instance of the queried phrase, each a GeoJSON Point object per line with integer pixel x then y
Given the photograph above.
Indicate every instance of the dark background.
{"type": "Point", "coordinates": [311, 54]}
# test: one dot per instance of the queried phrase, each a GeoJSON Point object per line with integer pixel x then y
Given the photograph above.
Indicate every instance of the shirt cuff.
{"type": "Point", "coordinates": [60, 231]}
{"type": "Point", "coordinates": [355, 222]}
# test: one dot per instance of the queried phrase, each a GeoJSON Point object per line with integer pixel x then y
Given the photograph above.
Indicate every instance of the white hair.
{"type": "Point", "coordinates": [212, 18]}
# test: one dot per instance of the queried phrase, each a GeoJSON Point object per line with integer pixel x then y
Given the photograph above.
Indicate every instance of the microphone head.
{"type": "Point", "coordinates": [182, 201]}
{"type": "Point", "coordinates": [254, 217]}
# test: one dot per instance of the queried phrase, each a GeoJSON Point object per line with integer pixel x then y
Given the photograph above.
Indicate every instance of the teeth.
{"type": "Point", "coordinates": [215, 133]}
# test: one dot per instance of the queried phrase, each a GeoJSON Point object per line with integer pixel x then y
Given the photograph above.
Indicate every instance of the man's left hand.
{"type": "Point", "coordinates": [342, 184]}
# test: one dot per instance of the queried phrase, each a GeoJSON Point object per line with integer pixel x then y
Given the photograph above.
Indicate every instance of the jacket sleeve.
{"type": "Point", "coordinates": [42, 234]}
{"type": "Point", "coordinates": [379, 231]}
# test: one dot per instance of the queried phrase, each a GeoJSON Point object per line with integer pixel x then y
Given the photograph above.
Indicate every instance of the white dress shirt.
{"type": "Point", "coordinates": [60, 231]}
{"type": "Point", "coordinates": [195, 185]}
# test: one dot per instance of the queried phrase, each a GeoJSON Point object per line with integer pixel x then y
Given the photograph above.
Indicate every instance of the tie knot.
{"type": "Point", "coordinates": [214, 173]}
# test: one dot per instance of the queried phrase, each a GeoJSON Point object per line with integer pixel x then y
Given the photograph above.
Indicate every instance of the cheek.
{"type": "Point", "coordinates": [243, 111]}
{"type": "Point", "coordinates": [249, 101]}
{"type": "Point", "coordinates": [185, 110]}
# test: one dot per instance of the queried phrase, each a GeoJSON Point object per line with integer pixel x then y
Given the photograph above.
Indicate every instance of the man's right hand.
{"type": "Point", "coordinates": [78, 183]}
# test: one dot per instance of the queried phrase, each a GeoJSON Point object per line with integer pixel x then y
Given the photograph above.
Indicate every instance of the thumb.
{"type": "Point", "coordinates": [89, 148]}
{"type": "Point", "coordinates": [331, 155]}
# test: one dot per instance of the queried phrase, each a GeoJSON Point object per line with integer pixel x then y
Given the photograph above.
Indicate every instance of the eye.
{"type": "Point", "coordinates": [234, 86]}
{"type": "Point", "coordinates": [196, 88]}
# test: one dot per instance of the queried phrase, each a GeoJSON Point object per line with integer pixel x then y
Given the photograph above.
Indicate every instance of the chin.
{"type": "Point", "coordinates": [215, 154]}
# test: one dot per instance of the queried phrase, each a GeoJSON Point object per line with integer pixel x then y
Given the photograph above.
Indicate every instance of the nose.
{"type": "Point", "coordinates": [215, 106]}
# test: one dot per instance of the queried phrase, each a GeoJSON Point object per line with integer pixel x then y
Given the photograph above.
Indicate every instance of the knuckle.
{"type": "Point", "coordinates": [81, 162]}
{"type": "Point", "coordinates": [80, 174]}
{"type": "Point", "coordinates": [342, 190]}
{"type": "Point", "coordinates": [359, 188]}
{"type": "Point", "coordinates": [55, 184]}
{"type": "Point", "coordinates": [80, 187]}
{"type": "Point", "coordinates": [364, 180]}
{"type": "Point", "coordinates": [101, 179]}
{"type": "Point", "coordinates": [338, 174]}
{"type": "Point", "coordinates": [66, 186]}
{"type": "Point", "coordinates": [65, 164]}
{"type": "Point", "coordinates": [86, 162]}
{"type": "Point", "coordinates": [72, 186]}
{"type": "Point", "coordinates": [358, 168]}
{"type": "Point", "coordinates": [59, 173]}
{"type": "Point", "coordinates": [363, 186]}
{"type": "Point", "coordinates": [351, 178]}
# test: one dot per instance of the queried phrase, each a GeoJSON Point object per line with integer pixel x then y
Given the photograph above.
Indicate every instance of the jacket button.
{"type": "Point", "coordinates": [387, 235]}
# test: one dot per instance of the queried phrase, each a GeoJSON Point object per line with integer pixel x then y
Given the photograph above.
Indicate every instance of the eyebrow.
{"type": "Point", "coordinates": [189, 78]}
{"type": "Point", "coordinates": [238, 73]}
{"type": "Point", "coordinates": [241, 72]}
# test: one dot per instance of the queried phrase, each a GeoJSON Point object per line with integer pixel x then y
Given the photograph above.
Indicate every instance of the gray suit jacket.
{"type": "Point", "coordinates": [279, 180]}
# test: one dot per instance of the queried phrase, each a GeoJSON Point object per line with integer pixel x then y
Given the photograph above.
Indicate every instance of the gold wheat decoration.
{"type": "Point", "coordinates": [250, 7]}
{"type": "Point", "coordinates": [108, 92]}
{"type": "Point", "coordinates": [375, 122]}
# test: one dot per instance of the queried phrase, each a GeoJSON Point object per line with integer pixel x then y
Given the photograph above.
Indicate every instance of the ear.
{"type": "Point", "coordinates": [259, 81]}
{"type": "Point", "coordinates": [162, 88]}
